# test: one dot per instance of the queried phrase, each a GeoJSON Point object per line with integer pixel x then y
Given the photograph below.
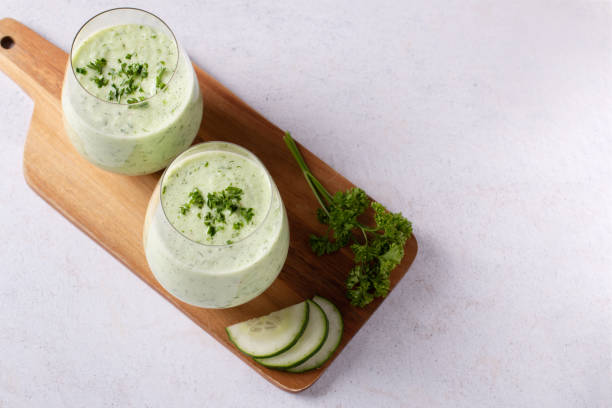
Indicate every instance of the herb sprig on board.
{"type": "Point", "coordinates": [377, 249]}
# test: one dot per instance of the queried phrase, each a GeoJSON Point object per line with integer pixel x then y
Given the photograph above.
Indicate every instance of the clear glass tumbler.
{"type": "Point", "coordinates": [130, 96]}
{"type": "Point", "coordinates": [215, 276]}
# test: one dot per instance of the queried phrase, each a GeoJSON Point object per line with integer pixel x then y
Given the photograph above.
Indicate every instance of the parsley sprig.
{"type": "Point", "coordinates": [220, 205]}
{"type": "Point", "coordinates": [377, 250]}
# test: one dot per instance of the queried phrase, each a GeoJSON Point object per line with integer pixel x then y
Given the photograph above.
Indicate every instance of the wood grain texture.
{"type": "Point", "coordinates": [110, 208]}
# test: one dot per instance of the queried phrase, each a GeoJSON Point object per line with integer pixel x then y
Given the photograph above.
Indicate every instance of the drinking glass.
{"type": "Point", "coordinates": [216, 276]}
{"type": "Point", "coordinates": [132, 138]}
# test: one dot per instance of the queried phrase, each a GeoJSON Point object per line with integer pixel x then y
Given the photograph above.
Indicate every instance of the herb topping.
{"type": "Point", "coordinates": [220, 205]}
{"type": "Point", "coordinates": [97, 65]}
{"type": "Point", "coordinates": [125, 81]}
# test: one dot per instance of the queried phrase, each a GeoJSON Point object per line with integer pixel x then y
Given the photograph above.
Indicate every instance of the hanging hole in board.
{"type": "Point", "coordinates": [7, 42]}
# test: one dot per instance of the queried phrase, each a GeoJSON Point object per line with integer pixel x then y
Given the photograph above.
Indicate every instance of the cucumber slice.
{"type": "Point", "coordinates": [334, 335]}
{"type": "Point", "coordinates": [311, 341]}
{"type": "Point", "coordinates": [271, 334]}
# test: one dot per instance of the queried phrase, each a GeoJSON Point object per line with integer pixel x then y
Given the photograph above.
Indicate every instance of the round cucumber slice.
{"type": "Point", "coordinates": [271, 334]}
{"type": "Point", "coordinates": [311, 341]}
{"type": "Point", "coordinates": [334, 335]}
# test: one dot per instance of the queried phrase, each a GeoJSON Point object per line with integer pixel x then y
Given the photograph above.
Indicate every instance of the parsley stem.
{"type": "Point", "coordinates": [319, 191]}
{"type": "Point", "coordinates": [295, 152]}
{"type": "Point", "coordinates": [308, 177]}
{"type": "Point", "coordinates": [317, 188]}
{"type": "Point", "coordinates": [320, 187]}
{"type": "Point", "coordinates": [365, 235]}
{"type": "Point", "coordinates": [365, 228]}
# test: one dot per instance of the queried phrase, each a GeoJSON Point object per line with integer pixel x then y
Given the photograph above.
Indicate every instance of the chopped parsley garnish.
{"type": "Point", "coordinates": [115, 93]}
{"type": "Point", "coordinates": [97, 65]}
{"type": "Point", "coordinates": [125, 80]}
{"type": "Point", "coordinates": [228, 199]}
{"type": "Point", "coordinates": [136, 100]}
{"type": "Point", "coordinates": [184, 209]}
{"type": "Point", "coordinates": [247, 213]}
{"type": "Point", "coordinates": [100, 81]}
{"type": "Point", "coordinates": [377, 249]}
{"type": "Point", "coordinates": [196, 198]}
{"type": "Point", "coordinates": [129, 78]}
{"type": "Point", "coordinates": [220, 204]}
{"type": "Point", "coordinates": [159, 83]}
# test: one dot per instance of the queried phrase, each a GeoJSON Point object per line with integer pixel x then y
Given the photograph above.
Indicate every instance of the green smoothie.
{"type": "Point", "coordinates": [131, 101]}
{"type": "Point", "coordinates": [216, 231]}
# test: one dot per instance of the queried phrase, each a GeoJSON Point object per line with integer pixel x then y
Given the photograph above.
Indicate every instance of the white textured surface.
{"type": "Point", "coordinates": [488, 124]}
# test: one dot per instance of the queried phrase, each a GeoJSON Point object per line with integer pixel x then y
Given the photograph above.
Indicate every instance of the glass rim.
{"type": "Point", "coordinates": [178, 54]}
{"type": "Point", "coordinates": [252, 157]}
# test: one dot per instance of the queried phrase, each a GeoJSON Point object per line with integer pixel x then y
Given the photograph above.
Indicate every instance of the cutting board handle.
{"type": "Point", "coordinates": [20, 58]}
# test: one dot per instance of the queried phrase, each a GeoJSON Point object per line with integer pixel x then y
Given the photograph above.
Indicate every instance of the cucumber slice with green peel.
{"type": "Point", "coordinates": [334, 335]}
{"type": "Point", "coordinates": [271, 334]}
{"type": "Point", "coordinates": [311, 341]}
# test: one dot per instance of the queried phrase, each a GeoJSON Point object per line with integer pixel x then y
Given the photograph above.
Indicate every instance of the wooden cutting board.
{"type": "Point", "coordinates": [110, 208]}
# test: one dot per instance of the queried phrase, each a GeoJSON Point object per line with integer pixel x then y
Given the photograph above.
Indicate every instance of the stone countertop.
{"type": "Point", "coordinates": [488, 124]}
